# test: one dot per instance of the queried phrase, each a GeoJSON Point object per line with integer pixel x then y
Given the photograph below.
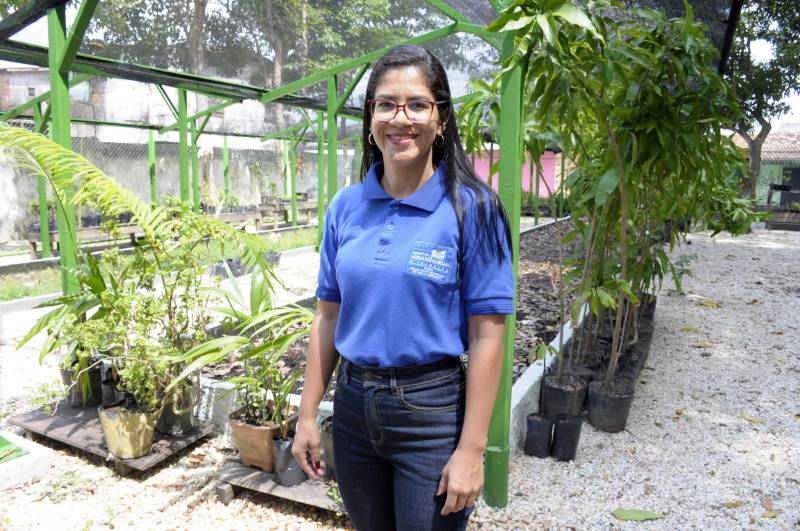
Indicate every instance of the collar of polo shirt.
{"type": "Point", "coordinates": [427, 197]}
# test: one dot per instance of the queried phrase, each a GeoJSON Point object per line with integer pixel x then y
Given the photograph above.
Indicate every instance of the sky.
{"type": "Point", "coordinates": [37, 34]}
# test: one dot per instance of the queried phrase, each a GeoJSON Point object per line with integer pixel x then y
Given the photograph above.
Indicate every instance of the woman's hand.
{"type": "Point", "coordinates": [305, 448]}
{"type": "Point", "coordinates": [462, 480]}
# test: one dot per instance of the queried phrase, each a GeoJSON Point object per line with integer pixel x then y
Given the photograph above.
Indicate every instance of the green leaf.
{"type": "Point", "coordinates": [608, 183]}
{"type": "Point", "coordinates": [548, 27]}
{"type": "Point", "coordinates": [635, 515]}
{"type": "Point", "coordinates": [520, 23]}
{"type": "Point", "coordinates": [573, 15]}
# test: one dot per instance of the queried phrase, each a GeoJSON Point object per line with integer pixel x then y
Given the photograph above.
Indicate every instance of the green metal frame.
{"type": "Point", "coordinates": [40, 123]}
{"type": "Point", "coordinates": [26, 15]}
{"type": "Point", "coordinates": [510, 186]}
{"type": "Point", "coordinates": [76, 34]}
{"type": "Point", "coordinates": [183, 145]}
{"type": "Point", "coordinates": [60, 132]}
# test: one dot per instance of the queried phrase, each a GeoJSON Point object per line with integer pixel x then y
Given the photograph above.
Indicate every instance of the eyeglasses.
{"type": "Point", "coordinates": [418, 111]}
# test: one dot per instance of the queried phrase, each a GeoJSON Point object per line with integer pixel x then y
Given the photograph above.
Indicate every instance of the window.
{"type": "Point", "coordinates": [31, 92]}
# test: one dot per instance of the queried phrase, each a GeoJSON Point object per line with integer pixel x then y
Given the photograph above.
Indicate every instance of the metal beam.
{"type": "Point", "coordinates": [25, 16]}
{"type": "Point", "coordinates": [497, 450]}
{"type": "Point", "coordinates": [351, 86]}
{"type": "Point", "coordinates": [60, 132]}
{"type": "Point", "coordinates": [371, 57]}
{"type": "Point", "coordinates": [41, 189]}
{"type": "Point", "coordinates": [333, 167]}
{"type": "Point", "coordinates": [105, 67]}
{"type": "Point", "coordinates": [208, 112]}
{"type": "Point", "coordinates": [75, 38]}
{"type": "Point", "coordinates": [183, 146]}
{"type": "Point", "coordinates": [202, 128]}
{"type": "Point", "coordinates": [44, 97]}
{"type": "Point", "coordinates": [168, 101]}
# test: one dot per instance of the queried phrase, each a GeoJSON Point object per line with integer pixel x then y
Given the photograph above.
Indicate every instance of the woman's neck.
{"type": "Point", "coordinates": [402, 181]}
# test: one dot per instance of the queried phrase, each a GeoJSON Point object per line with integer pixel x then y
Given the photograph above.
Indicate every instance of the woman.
{"type": "Point", "coordinates": [415, 268]}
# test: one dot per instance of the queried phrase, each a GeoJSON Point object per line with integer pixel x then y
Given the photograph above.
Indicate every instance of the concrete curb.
{"type": "Point", "coordinates": [525, 391]}
{"type": "Point", "coordinates": [27, 303]}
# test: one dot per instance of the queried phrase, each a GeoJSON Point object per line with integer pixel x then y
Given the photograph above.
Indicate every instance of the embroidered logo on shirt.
{"type": "Point", "coordinates": [431, 261]}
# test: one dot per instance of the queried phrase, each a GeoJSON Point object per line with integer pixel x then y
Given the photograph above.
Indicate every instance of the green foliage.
{"type": "Point", "coordinates": [636, 104]}
{"type": "Point", "coordinates": [142, 311]}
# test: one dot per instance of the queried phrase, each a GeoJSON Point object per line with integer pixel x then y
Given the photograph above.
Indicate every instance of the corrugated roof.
{"type": "Point", "coordinates": [781, 145]}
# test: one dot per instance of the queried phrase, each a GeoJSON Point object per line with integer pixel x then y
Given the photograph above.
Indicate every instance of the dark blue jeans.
{"type": "Point", "coordinates": [393, 432]}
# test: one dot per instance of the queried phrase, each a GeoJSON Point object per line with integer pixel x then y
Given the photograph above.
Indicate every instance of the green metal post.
{"type": "Point", "coordinates": [497, 451]}
{"type": "Point", "coordinates": [293, 176]}
{"type": "Point", "coordinates": [60, 132]}
{"type": "Point", "coordinates": [320, 176]}
{"type": "Point", "coordinates": [285, 168]}
{"type": "Point", "coordinates": [183, 146]}
{"type": "Point", "coordinates": [225, 168]}
{"type": "Point", "coordinates": [359, 155]}
{"type": "Point", "coordinates": [151, 161]}
{"type": "Point", "coordinates": [333, 165]}
{"type": "Point", "coordinates": [195, 175]}
{"type": "Point", "coordinates": [41, 186]}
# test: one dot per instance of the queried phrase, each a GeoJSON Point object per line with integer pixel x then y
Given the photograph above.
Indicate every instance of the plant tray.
{"type": "Point", "coordinates": [309, 492]}
{"type": "Point", "coordinates": [80, 428]}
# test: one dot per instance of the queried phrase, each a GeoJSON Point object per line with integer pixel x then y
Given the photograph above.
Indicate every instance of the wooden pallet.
{"type": "Point", "coordinates": [236, 475]}
{"type": "Point", "coordinates": [80, 428]}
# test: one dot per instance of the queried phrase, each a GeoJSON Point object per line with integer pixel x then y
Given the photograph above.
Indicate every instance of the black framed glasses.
{"type": "Point", "coordinates": [418, 111]}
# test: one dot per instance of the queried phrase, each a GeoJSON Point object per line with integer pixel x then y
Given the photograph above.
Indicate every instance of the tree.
{"type": "Point", "coordinates": [762, 86]}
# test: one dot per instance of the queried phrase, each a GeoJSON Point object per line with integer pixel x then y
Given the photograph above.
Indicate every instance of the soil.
{"type": "Point", "coordinates": [537, 304]}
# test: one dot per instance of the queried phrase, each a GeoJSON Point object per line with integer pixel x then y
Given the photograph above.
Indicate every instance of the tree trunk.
{"type": "Point", "coordinates": [750, 184]}
{"type": "Point", "coordinates": [274, 38]}
{"type": "Point", "coordinates": [194, 41]}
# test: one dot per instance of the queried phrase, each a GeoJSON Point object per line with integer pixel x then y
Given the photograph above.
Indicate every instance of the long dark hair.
{"type": "Point", "coordinates": [458, 175]}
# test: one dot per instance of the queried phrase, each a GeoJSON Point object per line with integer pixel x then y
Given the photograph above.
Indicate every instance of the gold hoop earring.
{"type": "Point", "coordinates": [371, 140]}
{"type": "Point", "coordinates": [439, 137]}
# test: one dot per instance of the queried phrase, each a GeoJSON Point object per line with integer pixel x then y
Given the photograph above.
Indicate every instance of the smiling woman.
{"type": "Point", "coordinates": [415, 269]}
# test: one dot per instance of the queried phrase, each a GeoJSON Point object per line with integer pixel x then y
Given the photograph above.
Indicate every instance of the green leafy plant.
{"type": "Point", "coordinates": [636, 105]}
{"type": "Point", "coordinates": [151, 307]}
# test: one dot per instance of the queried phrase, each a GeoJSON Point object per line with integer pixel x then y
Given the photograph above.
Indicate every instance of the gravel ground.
{"type": "Point", "coordinates": [711, 442]}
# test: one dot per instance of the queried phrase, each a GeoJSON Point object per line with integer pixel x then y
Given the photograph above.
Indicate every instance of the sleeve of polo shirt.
{"type": "Point", "coordinates": [327, 286]}
{"type": "Point", "coordinates": [487, 285]}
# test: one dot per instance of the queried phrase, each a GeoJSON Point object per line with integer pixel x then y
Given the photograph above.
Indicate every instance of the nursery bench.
{"type": "Point", "coordinates": [80, 428]}
{"type": "Point", "coordinates": [85, 234]}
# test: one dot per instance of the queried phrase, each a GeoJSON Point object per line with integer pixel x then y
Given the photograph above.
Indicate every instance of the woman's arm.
{"type": "Point", "coordinates": [321, 361]}
{"type": "Point", "coordinates": [462, 477]}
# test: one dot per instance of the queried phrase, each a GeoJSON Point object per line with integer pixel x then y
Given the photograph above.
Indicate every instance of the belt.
{"type": "Point", "coordinates": [444, 363]}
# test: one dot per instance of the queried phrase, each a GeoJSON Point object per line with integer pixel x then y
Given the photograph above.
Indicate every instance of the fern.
{"type": "Point", "coordinates": [67, 170]}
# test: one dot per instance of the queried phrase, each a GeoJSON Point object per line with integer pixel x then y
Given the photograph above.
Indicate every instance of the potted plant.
{"type": "Point", "coordinates": [265, 418]}
{"type": "Point", "coordinates": [152, 304]}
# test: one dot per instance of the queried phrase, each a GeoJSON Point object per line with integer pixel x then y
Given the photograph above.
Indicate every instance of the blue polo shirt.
{"type": "Point", "coordinates": [392, 265]}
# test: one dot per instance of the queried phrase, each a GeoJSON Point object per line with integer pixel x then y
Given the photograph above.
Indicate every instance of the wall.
{"type": "Point", "coordinates": [547, 178]}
